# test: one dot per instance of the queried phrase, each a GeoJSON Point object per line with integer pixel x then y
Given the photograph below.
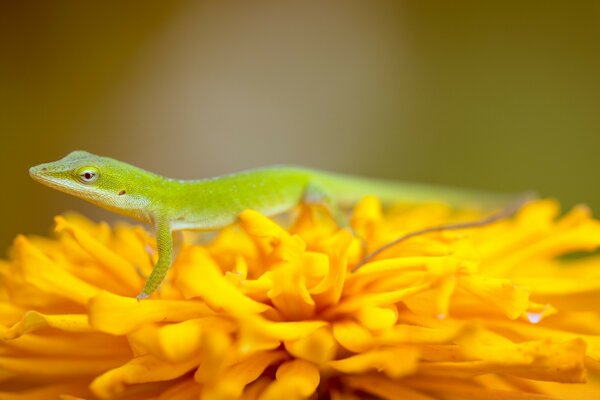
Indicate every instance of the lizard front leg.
{"type": "Point", "coordinates": [164, 242]}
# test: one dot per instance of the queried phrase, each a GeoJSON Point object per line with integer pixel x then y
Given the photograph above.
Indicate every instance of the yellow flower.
{"type": "Point", "coordinates": [264, 312]}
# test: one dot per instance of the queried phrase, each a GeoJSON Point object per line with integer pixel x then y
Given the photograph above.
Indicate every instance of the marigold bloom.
{"type": "Point", "coordinates": [263, 312]}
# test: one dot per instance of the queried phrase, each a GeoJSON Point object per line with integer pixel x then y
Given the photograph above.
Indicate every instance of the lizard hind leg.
{"type": "Point", "coordinates": [315, 195]}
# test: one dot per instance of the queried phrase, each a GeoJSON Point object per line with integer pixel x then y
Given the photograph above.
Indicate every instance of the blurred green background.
{"type": "Point", "coordinates": [498, 95]}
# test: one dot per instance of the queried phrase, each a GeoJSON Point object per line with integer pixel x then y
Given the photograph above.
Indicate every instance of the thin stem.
{"type": "Point", "coordinates": [508, 211]}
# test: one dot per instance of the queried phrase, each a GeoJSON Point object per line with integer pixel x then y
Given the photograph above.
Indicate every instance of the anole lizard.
{"type": "Point", "coordinates": [210, 204]}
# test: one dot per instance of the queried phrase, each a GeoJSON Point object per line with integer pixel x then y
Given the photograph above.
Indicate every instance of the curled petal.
{"type": "Point", "coordinates": [317, 347]}
{"type": "Point", "coordinates": [290, 295]}
{"type": "Point", "coordinates": [119, 315]}
{"type": "Point", "coordinates": [200, 276]}
{"type": "Point", "coordinates": [394, 362]}
{"type": "Point", "coordinates": [384, 387]}
{"type": "Point", "coordinates": [296, 379]}
{"type": "Point", "coordinates": [233, 380]}
{"type": "Point", "coordinates": [49, 277]}
{"type": "Point", "coordinates": [502, 293]}
{"type": "Point", "coordinates": [115, 265]}
{"type": "Point", "coordinates": [33, 320]}
{"type": "Point", "coordinates": [143, 369]}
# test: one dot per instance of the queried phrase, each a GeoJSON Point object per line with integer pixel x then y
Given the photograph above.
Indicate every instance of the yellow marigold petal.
{"type": "Point", "coordinates": [255, 389]}
{"type": "Point", "coordinates": [384, 387]}
{"type": "Point", "coordinates": [45, 392]}
{"type": "Point", "coordinates": [404, 334]}
{"type": "Point", "coordinates": [444, 292]}
{"type": "Point", "coordinates": [471, 390]}
{"type": "Point", "coordinates": [329, 290]}
{"type": "Point", "coordinates": [185, 390]}
{"type": "Point", "coordinates": [142, 369]}
{"type": "Point", "coordinates": [120, 315]}
{"type": "Point", "coordinates": [9, 313]}
{"type": "Point", "coordinates": [231, 383]}
{"type": "Point", "coordinates": [296, 379]}
{"type": "Point", "coordinates": [354, 303]}
{"type": "Point", "coordinates": [33, 320]}
{"type": "Point", "coordinates": [172, 342]}
{"type": "Point", "coordinates": [478, 344]}
{"type": "Point", "coordinates": [542, 360]}
{"type": "Point", "coordinates": [257, 289]}
{"type": "Point", "coordinates": [48, 277]}
{"type": "Point", "coordinates": [313, 224]}
{"type": "Point", "coordinates": [200, 276]}
{"type": "Point", "coordinates": [286, 330]}
{"type": "Point", "coordinates": [290, 295]}
{"type": "Point", "coordinates": [317, 347]}
{"type": "Point", "coordinates": [216, 355]}
{"type": "Point", "coordinates": [528, 244]}
{"type": "Point", "coordinates": [57, 367]}
{"type": "Point", "coordinates": [241, 267]}
{"type": "Point", "coordinates": [394, 362]}
{"type": "Point", "coordinates": [231, 241]}
{"type": "Point", "coordinates": [314, 267]}
{"type": "Point", "coordinates": [557, 390]}
{"type": "Point", "coordinates": [338, 395]}
{"type": "Point", "coordinates": [389, 272]}
{"type": "Point", "coordinates": [133, 244]}
{"type": "Point", "coordinates": [118, 267]}
{"type": "Point", "coordinates": [531, 332]}
{"type": "Point", "coordinates": [559, 285]}
{"type": "Point", "coordinates": [352, 336]}
{"type": "Point", "coordinates": [502, 293]}
{"type": "Point", "coordinates": [485, 312]}
{"type": "Point", "coordinates": [257, 333]}
{"type": "Point", "coordinates": [367, 216]}
{"type": "Point", "coordinates": [92, 344]}
{"type": "Point", "coordinates": [377, 318]}
{"type": "Point", "coordinates": [269, 236]}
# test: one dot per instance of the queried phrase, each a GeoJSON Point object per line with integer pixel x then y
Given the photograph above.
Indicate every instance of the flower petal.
{"type": "Point", "coordinates": [114, 264]}
{"type": "Point", "coordinates": [317, 347]}
{"type": "Point", "coordinates": [380, 385]}
{"type": "Point", "coordinates": [92, 344]}
{"type": "Point", "coordinates": [502, 293]}
{"type": "Point", "coordinates": [541, 360]}
{"type": "Point", "coordinates": [57, 367]}
{"type": "Point", "coordinates": [45, 392]}
{"type": "Point", "coordinates": [142, 369]}
{"type": "Point", "coordinates": [329, 290]}
{"type": "Point", "coordinates": [49, 277]}
{"type": "Point", "coordinates": [200, 276]}
{"type": "Point", "coordinates": [119, 315]}
{"type": "Point", "coordinates": [172, 342]}
{"type": "Point", "coordinates": [377, 318]}
{"type": "Point", "coordinates": [33, 320]}
{"type": "Point", "coordinates": [216, 355]}
{"type": "Point", "coordinates": [290, 295]}
{"type": "Point", "coordinates": [234, 379]}
{"type": "Point", "coordinates": [353, 336]}
{"type": "Point", "coordinates": [296, 379]}
{"type": "Point", "coordinates": [394, 362]}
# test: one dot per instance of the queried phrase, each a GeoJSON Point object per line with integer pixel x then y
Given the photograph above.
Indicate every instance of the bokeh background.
{"type": "Point", "coordinates": [497, 95]}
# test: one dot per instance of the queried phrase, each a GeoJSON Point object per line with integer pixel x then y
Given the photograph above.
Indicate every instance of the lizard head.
{"type": "Point", "coordinates": [100, 180]}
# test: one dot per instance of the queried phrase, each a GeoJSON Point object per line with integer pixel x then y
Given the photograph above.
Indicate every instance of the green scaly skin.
{"type": "Point", "coordinates": [210, 204]}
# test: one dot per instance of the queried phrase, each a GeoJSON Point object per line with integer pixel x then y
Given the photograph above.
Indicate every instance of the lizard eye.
{"type": "Point", "coordinates": [88, 174]}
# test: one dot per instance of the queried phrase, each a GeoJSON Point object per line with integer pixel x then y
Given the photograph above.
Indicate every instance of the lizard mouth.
{"type": "Point", "coordinates": [41, 174]}
{"type": "Point", "coordinates": [37, 173]}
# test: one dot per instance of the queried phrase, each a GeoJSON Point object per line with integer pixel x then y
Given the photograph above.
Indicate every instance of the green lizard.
{"type": "Point", "coordinates": [210, 204]}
